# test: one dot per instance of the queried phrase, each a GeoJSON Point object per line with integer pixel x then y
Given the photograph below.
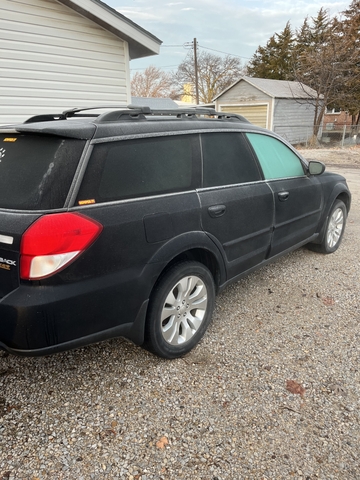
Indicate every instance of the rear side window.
{"type": "Point", "coordinates": [141, 167]}
{"type": "Point", "coordinates": [36, 171]}
{"type": "Point", "coordinates": [276, 159]}
{"type": "Point", "coordinates": [227, 160]}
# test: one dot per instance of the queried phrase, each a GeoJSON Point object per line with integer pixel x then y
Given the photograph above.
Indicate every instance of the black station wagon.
{"type": "Point", "coordinates": [127, 223]}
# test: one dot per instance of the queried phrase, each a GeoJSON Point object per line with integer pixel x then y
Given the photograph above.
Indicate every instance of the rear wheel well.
{"type": "Point", "coordinates": [199, 255]}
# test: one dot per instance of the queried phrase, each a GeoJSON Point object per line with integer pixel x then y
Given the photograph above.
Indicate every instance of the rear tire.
{"type": "Point", "coordinates": [334, 230]}
{"type": "Point", "coordinates": [180, 310]}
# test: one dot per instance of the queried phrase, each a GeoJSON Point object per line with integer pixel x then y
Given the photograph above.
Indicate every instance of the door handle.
{"type": "Point", "coordinates": [283, 196]}
{"type": "Point", "coordinates": [216, 211]}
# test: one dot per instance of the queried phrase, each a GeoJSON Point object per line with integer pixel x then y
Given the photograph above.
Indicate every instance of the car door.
{"type": "Point", "coordinates": [236, 205]}
{"type": "Point", "coordinates": [297, 196]}
{"type": "Point", "coordinates": [143, 192]}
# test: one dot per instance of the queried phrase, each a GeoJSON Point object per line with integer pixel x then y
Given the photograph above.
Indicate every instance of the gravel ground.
{"type": "Point", "coordinates": [272, 391]}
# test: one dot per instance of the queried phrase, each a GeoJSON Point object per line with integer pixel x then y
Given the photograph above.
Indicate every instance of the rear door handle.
{"type": "Point", "coordinates": [217, 211]}
{"type": "Point", "coordinates": [283, 196]}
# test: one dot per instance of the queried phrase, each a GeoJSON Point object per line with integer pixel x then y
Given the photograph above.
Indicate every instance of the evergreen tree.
{"type": "Point", "coordinates": [274, 61]}
{"type": "Point", "coordinates": [323, 54]}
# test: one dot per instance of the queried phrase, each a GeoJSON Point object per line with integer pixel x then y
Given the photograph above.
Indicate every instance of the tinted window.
{"type": "Point", "coordinates": [276, 159]}
{"type": "Point", "coordinates": [141, 167]}
{"type": "Point", "coordinates": [227, 160]}
{"type": "Point", "coordinates": [36, 171]}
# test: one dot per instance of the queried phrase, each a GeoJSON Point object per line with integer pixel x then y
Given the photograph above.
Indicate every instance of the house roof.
{"type": "Point", "coordinates": [154, 103]}
{"type": "Point", "coordinates": [141, 42]}
{"type": "Point", "coordinates": [276, 88]}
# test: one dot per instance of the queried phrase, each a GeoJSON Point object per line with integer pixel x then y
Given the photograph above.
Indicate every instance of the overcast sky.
{"type": "Point", "coordinates": [236, 27]}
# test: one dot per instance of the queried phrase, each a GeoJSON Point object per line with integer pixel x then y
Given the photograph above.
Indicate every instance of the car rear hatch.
{"type": "Point", "coordinates": [36, 172]}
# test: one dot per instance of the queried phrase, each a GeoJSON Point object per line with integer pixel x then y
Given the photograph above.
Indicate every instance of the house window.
{"type": "Point", "coordinates": [330, 111]}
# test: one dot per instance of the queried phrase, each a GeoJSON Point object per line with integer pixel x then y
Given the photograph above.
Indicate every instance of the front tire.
{"type": "Point", "coordinates": [334, 230]}
{"type": "Point", "coordinates": [180, 310]}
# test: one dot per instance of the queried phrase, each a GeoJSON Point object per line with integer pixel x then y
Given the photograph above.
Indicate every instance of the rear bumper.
{"type": "Point", "coordinates": [133, 331]}
{"type": "Point", "coordinates": [40, 320]}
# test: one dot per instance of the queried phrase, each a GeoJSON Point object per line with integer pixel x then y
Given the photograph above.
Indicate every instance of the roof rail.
{"type": "Point", "coordinates": [135, 112]}
{"type": "Point", "coordinates": [45, 118]}
{"type": "Point", "coordinates": [139, 112]}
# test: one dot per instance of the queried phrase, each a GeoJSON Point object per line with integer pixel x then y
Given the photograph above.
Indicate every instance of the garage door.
{"type": "Point", "coordinates": [256, 114]}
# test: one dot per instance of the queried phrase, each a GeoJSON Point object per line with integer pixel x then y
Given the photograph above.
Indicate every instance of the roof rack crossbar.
{"type": "Point", "coordinates": [72, 112]}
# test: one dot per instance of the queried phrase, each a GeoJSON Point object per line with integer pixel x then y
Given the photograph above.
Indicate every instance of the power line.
{"type": "Point", "coordinates": [226, 53]}
{"type": "Point", "coordinates": [164, 66]}
{"type": "Point", "coordinates": [189, 44]}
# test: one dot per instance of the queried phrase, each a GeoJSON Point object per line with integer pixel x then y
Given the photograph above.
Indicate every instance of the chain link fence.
{"type": "Point", "coordinates": [332, 135]}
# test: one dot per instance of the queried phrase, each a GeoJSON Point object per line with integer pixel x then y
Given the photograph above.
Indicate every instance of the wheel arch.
{"type": "Point", "coordinates": [345, 198]}
{"type": "Point", "coordinates": [338, 193]}
{"type": "Point", "coordinates": [196, 246]}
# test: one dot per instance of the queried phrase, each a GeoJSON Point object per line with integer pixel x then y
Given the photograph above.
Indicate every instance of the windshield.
{"type": "Point", "coordinates": [36, 171]}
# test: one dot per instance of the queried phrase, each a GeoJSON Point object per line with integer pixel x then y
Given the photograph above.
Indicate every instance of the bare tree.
{"type": "Point", "coordinates": [322, 61]}
{"type": "Point", "coordinates": [349, 32]}
{"type": "Point", "coordinates": [324, 55]}
{"type": "Point", "coordinates": [215, 74]}
{"type": "Point", "coordinates": [153, 82]}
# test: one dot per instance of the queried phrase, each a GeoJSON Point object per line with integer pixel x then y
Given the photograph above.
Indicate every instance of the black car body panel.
{"type": "Point", "coordinates": [232, 221]}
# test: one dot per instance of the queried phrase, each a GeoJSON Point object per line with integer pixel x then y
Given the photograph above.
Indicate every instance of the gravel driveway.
{"type": "Point", "coordinates": [271, 392]}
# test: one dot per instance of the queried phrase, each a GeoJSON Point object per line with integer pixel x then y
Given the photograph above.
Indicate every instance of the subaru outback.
{"type": "Point", "coordinates": [129, 222]}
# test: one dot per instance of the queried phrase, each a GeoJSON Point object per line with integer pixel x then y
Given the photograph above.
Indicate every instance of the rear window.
{"type": "Point", "coordinates": [227, 160]}
{"type": "Point", "coordinates": [36, 171]}
{"type": "Point", "coordinates": [137, 168]}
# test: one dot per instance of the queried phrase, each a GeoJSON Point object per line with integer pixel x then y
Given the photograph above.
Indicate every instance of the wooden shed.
{"type": "Point", "coordinates": [281, 106]}
{"type": "Point", "coordinates": [59, 54]}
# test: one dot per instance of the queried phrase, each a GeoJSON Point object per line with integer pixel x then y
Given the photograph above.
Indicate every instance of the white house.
{"type": "Point", "coordinates": [285, 107]}
{"type": "Point", "coordinates": [59, 54]}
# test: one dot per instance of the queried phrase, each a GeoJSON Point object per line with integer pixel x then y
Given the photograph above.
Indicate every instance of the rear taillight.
{"type": "Point", "coordinates": [53, 242]}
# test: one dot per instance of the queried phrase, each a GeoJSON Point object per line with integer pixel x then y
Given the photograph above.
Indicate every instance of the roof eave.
{"type": "Point", "coordinates": [141, 42]}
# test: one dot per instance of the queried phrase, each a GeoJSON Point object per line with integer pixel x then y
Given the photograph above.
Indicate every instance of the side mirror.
{"type": "Point", "coordinates": [316, 168]}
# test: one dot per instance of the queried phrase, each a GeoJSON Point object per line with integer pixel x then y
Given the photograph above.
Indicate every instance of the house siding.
{"type": "Point", "coordinates": [52, 59]}
{"type": "Point", "coordinates": [293, 119]}
{"type": "Point", "coordinates": [289, 113]}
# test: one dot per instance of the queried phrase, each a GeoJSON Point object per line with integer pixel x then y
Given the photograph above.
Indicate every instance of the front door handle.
{"type": "Point", "coordinates": [283, 196]}
{"type": "Point", "coordinates": [217, 211]}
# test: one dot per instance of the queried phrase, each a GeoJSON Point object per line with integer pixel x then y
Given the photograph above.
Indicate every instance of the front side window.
{"type": "Point", "coordinates": [227, 160]}
{"type": "Point", "coordinates": [141, 167]}
{"type": "Point", "coordinates": [276, 159]}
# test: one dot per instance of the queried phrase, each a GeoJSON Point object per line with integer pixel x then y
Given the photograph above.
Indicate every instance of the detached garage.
{"type": "Point", "coordinates": [282, 106]}
{"type": "Point", "coordinates": [60, 54]}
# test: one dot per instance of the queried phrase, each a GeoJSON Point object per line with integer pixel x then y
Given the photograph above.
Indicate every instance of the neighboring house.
{"type": "Point", "coordinates": [282, 106]}
{"type": "Point", "coordinates": [59, 54]}
{"type": "Point", "coordinates": [336, 119]}
{"type": "Point", "coordinates": [338, 127]}
{"type": "Point", "coordinates": [154, 103]}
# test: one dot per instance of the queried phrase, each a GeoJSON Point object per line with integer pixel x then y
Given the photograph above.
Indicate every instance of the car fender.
{"type": "Point", "coordinates": [185, 242]}
{"type": "Point", "coordinates": [338, 190]}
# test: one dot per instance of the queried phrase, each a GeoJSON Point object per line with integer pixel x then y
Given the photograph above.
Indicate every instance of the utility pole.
{"type": "Point", "coordinates": [196, 73]}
